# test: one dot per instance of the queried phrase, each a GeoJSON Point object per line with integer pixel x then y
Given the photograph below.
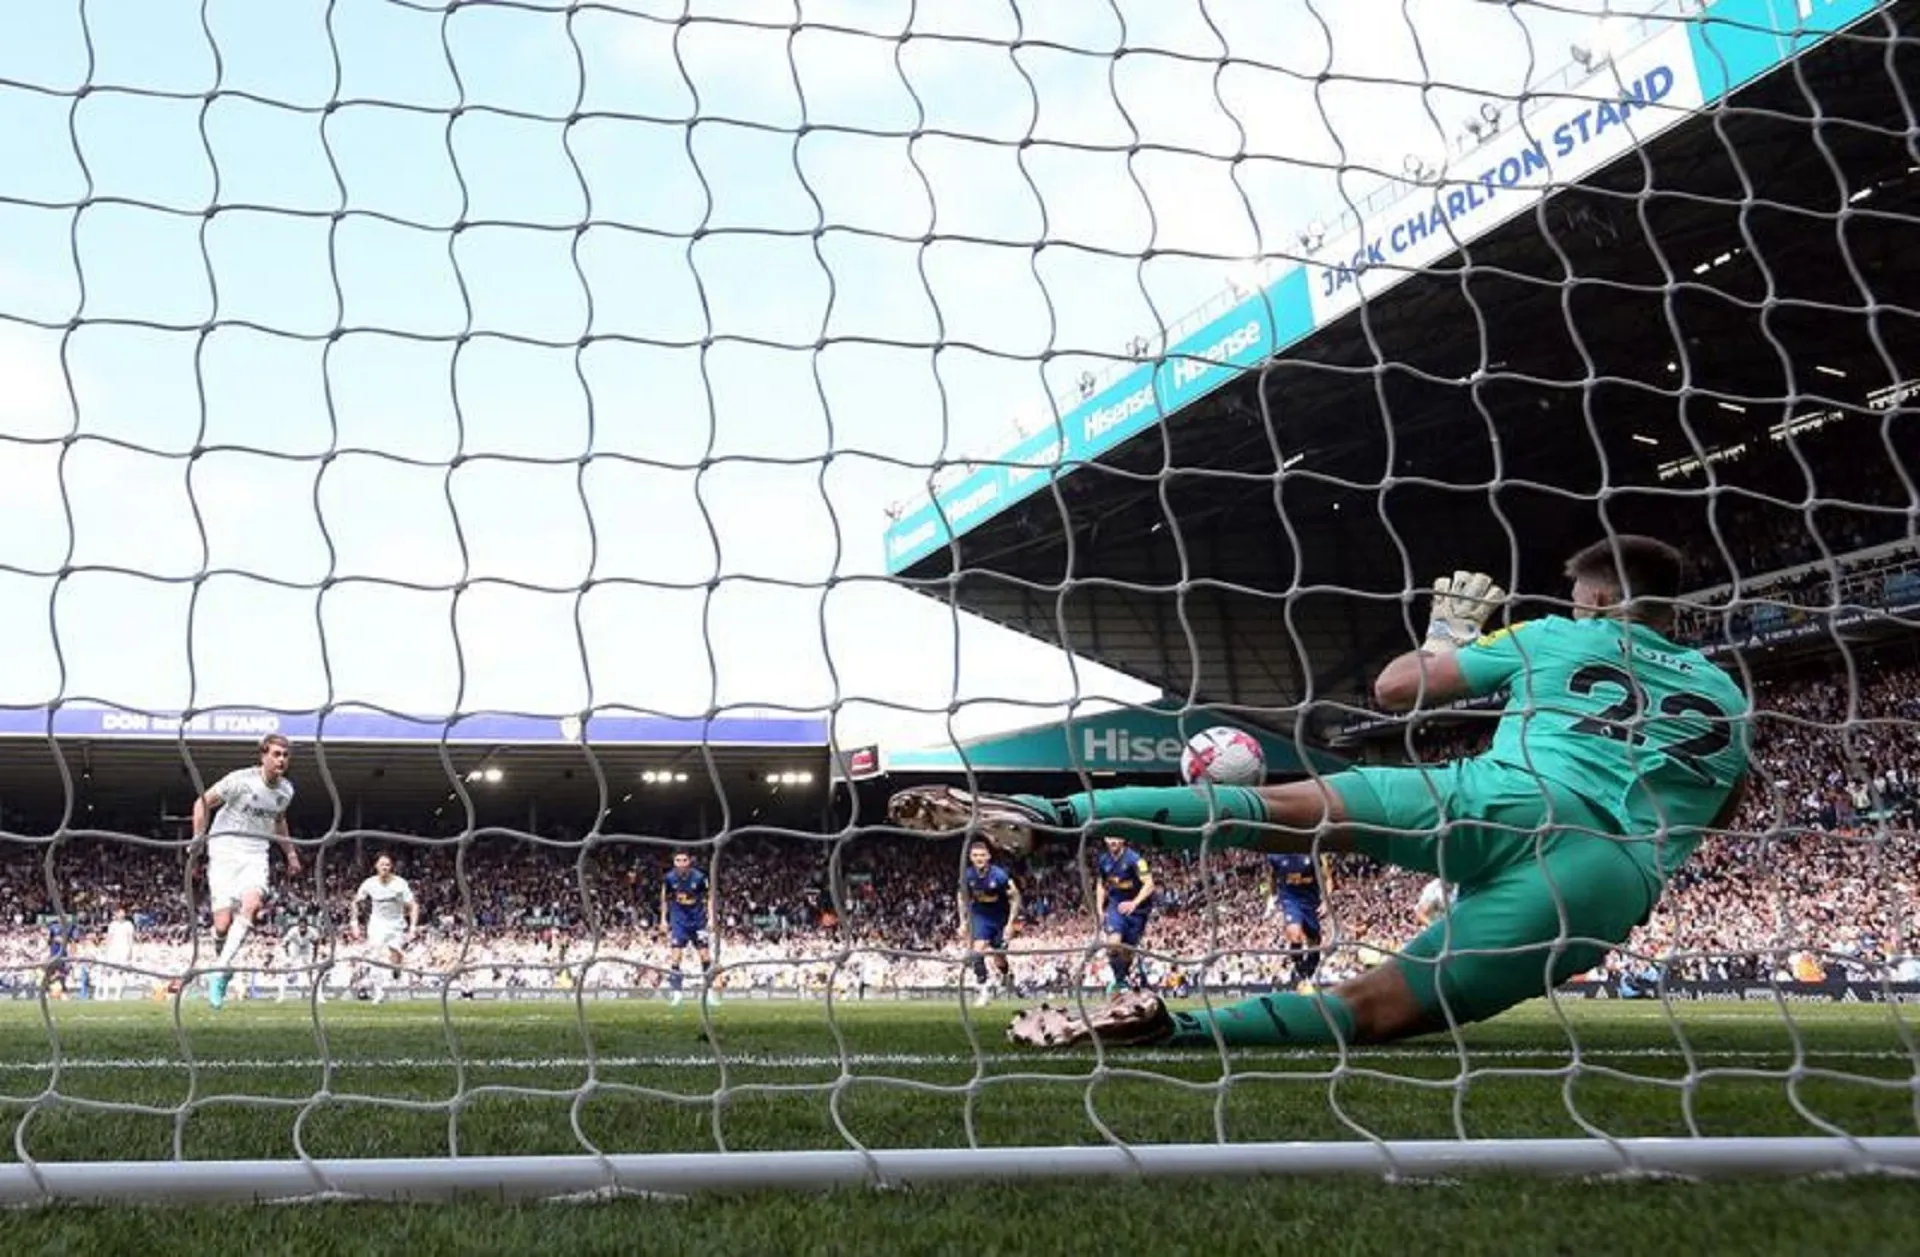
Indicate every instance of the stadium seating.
{"type": "Point", "coordinates": [1818, 866]}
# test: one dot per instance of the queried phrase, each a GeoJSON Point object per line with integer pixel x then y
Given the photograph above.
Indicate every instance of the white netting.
{"type": "Point", "coordinates": [532, 409]}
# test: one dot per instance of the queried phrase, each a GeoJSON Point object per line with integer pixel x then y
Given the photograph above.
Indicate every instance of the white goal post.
{"type": "Point", "coordinates": [550, 1177]}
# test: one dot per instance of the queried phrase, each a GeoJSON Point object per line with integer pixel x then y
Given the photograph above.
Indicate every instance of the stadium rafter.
{"type": "Point", "coordinates": [1687, 294]}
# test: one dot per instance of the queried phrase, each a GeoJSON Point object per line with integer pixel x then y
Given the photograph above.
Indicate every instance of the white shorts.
{"type": "Point", "coordinates": [230, 874]}
{"type": "Point", "coordinates": [386, 938]}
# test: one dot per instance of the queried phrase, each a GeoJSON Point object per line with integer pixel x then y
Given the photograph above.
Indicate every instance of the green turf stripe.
{"type": "Point", "coordinates": [1118, 1058]}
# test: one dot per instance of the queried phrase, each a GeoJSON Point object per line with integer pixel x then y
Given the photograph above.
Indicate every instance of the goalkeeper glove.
{"type": "Point", "coordinates": [1461, 605]}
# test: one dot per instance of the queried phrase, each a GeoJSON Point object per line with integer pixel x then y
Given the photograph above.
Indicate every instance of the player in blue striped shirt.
{"type": "Point", "coordinates": [1298, 883]}
{"type": "Point", "coordinates": [1125, 890]}
{"type": "Point", "coordinates": [989, 911]}
{"type": "Point", "coordinates": [686, 910]}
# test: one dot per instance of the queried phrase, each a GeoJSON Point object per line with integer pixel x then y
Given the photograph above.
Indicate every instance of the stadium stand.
{"type": "Point", "coordinates": [1817, 880]}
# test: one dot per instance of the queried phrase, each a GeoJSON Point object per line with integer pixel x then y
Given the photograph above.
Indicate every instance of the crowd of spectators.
{"type": "Point", "coordinates": [1778, 546]}
{"type": "Point", "coordinates": [1822, 594]}
{"type": "Point", "coordinates": [1816, 878]}
{"type": "Point", "coordinates": [1818, 875]}
{"type": "Point", "coordinates": [1780, 506]}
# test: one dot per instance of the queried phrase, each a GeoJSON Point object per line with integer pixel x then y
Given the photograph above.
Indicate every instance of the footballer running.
{"type": "Point", "coordinates": [393, 919]}
{"type": "Point", "coordinates": [989, 911]}
{"type": "Point", "coordinates": [239, 817]}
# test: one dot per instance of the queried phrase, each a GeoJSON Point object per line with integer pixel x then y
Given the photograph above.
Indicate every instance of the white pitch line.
{"type": "Point", "coordinates": [1118, 1059]}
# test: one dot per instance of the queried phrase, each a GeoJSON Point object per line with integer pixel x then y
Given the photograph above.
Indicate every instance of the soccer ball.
{"type": "Point", "coordinates": [1224, 756]}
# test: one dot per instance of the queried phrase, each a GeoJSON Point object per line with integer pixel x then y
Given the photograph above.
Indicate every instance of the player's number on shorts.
{"type": "Point", "coordinates": [1618, 722]}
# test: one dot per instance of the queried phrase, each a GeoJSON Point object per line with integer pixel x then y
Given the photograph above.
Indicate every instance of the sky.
{"type": "Point", "coordinates": [532, 357]}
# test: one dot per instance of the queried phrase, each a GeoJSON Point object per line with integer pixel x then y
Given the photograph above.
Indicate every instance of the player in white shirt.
{"type": "Point", "coordinates": [116, 956]}
{"type": "Point", "coordinates": [296, 960]}
{"type": "Point", "coordinates": [252, 813]}
{"type": "Point", "coordinates": [391, 921]}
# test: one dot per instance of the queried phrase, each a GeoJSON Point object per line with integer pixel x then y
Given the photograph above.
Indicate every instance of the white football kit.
{"type": "Point", "coordinates": [296, 950]}
{"type": "Point", "coordinates": [387, 920]}
{"type": "Point", "coordinates": [118, 954]}
{"type": "Point", "coordinates": [237, 840]}
{"type": "Point", "coordinates": [299, 946]}
{"type": "Point", "coordinates": [120, 941]}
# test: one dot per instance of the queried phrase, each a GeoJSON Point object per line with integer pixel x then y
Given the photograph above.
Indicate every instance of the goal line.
{"type": "Point", "coordinates": [736, 1061]}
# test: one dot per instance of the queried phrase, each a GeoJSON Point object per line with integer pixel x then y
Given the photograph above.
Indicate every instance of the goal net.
{"type": "Point", "coordinates": [595, 434]}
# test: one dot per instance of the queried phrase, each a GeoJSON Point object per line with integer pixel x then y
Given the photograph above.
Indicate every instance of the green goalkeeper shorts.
{"type": "Point", "coordinates": [1545, 887]}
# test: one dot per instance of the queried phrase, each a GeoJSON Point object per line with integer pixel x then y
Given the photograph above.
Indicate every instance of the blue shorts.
{"type": "Point", "coordinates": [1130, 928]}
{"type": "Point", "coordinates": [1303, 914]}
{"type": "Point", "coordinates": [989, 930]}
{"type": "Point", "coordinates": [686, 934]}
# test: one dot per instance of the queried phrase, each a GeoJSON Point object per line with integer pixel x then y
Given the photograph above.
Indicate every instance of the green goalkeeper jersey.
{"type": "Point", "coordinates": [1653, 733]}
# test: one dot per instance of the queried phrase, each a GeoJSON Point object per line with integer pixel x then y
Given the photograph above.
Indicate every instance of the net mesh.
{"type": "Point", "coordinates": [507, 399]}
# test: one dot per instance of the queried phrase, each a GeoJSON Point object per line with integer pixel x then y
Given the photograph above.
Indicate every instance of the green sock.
{"type": "Point", "coordinates": [1268, 1021]}
{"type": "Point", "coordinates": [1172, 817]}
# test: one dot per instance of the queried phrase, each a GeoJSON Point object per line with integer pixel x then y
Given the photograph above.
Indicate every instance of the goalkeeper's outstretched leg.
{"type": "Point", "coordinates": [1559, 839]}
{"type": "Point", "coordinates": [1533, 854]}
{"type": "Point", "coordinates": [1512, 936]}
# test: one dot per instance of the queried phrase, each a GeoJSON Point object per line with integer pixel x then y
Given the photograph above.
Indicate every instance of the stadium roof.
{"type": "Point", "coordinates": [384, 762]}
{"type": "Point", "coordinates": [1651, 268]}
{"type": "Point", "coordinates": [1126, 739]}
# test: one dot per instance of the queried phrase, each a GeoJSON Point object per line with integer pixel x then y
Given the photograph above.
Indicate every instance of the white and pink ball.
{"type": "Point", "coordinates": [1224, 756]}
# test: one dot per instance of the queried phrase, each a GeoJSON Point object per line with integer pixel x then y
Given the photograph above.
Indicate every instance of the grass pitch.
{"type": "Point", "coordinates": [85, 1081]}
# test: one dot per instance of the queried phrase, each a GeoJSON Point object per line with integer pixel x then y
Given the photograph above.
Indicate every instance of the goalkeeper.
{"type": "Point", "coordinates": [1616, 752]}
